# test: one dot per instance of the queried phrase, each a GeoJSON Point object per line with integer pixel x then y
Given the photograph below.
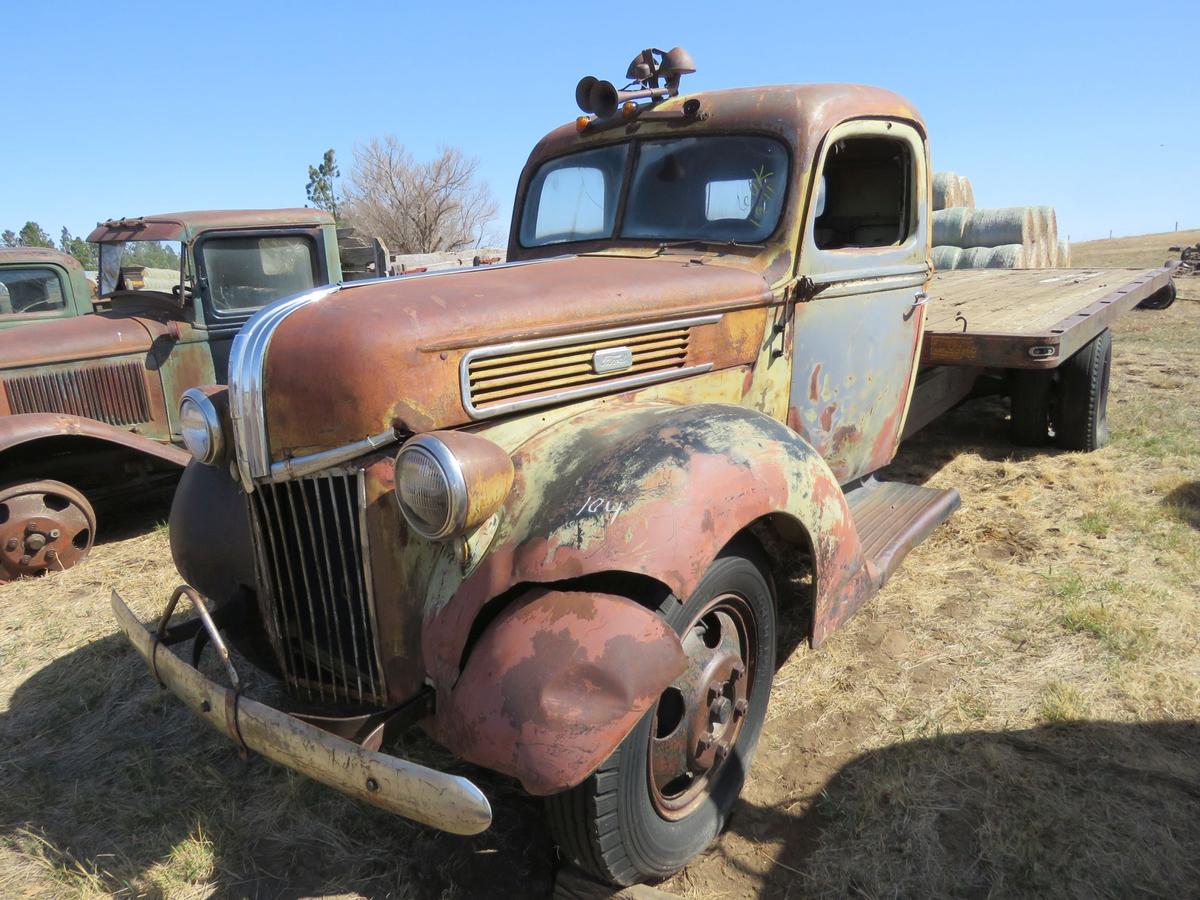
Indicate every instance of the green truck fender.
{"type": "Point", "coordinates": [653, 490]}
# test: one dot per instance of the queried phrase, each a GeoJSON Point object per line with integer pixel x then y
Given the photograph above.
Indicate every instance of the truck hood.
{"type": "Point", "coordinates": [94, 336]}
{"type": "Point", "coordinates": [390, 353]}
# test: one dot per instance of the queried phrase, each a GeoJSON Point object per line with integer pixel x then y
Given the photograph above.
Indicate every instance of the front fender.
{"type": "Point", "coordinates": [555, 682]}
{"type": "Point", "coordinates": [26, 428]}
{"type": "Point", "coordinates": [656, 489]}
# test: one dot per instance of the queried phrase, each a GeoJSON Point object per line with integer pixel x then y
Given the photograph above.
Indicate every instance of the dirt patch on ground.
{"type": "Point", "coordinates": [1015, 713]}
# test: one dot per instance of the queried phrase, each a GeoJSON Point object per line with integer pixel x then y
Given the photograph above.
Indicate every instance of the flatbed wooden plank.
{"type": "Point", "coordinates": [1026, 318]}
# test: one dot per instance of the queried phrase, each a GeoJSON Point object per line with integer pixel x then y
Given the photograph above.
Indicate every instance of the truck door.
{"type": "Point", "coordinates": [865, 245]}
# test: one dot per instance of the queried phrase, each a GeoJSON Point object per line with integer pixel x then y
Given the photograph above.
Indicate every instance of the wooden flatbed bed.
{"type": "Point", "coordinates": [1026, 318]}
{"type": "Point", "coordinates": [982, 325]}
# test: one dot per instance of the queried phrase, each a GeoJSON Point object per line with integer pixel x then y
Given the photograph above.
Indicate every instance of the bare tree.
{"type": "Point", "coordinates": [417, 207]}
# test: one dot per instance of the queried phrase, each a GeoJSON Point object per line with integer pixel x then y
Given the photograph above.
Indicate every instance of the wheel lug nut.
{"type": "Point", "coordinates": [703, 744]}
{"type": "Point", "coordinates": [54, 534]}
{"type": "Point", "coordinates": [51, 556]}
{"type": "Point", "coordinates": [722, 751]}
{"type": "Point", "coordinates": [736, 673]}
{"type": "Point", "coordinates": [12, 544]}
{"type": "Point", "coordinates": [26, 559]}
{"type": "Point", "coordinates": [739, 708]}
{"type": "Point", "coordinates": [713, 693]}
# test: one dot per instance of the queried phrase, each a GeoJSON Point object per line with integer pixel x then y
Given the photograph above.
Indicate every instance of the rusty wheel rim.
{"type": "Point", "coordinates": [44, 527]}
{"type": "Point", "coordinates": [700, 716]}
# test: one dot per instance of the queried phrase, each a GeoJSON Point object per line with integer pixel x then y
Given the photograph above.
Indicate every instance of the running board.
{"type": "Point", "coordinates": [892, 517]}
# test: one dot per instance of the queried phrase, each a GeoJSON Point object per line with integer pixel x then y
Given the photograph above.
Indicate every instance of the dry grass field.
{"type": "Point", "coordinates": [1017, 713]}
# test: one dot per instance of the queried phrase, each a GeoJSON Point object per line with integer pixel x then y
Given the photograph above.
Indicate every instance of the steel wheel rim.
{"type": "Point", "coordinates": [42, 529]}
{"type": "Point", "coordinates": [700, 716]}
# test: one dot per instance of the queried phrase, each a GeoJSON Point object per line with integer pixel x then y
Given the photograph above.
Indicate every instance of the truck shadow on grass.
{"type": "Point", "coordinates": [1183, 503]}
{"type": "Point", "coordinates": [1073, 809]}
{"type": "Point", "coordinates": [108, 785]}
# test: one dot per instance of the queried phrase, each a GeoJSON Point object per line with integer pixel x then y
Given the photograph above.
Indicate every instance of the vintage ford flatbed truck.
{"type": "Point", "coordinates": [88, 403]}
{"type": "Point", "coordinates": [550, 510]}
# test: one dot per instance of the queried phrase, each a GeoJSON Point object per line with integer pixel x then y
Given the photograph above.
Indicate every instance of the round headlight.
{"type": "Point", "coordinates": [431, 487]}
{"type": "Point", "coordinates": [200, 426]}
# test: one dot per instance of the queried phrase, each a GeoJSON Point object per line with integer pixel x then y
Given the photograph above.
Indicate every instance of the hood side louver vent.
{"type": "Point", "coordinates": [113, 393]}
{"type": "Point", "coordinates": [538, 373]}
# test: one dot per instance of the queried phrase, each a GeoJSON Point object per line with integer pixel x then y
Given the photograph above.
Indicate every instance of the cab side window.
{"type": "Point", "coordinates": [33, 290]}
{"type": "Point", "coordinates": [865, 197]}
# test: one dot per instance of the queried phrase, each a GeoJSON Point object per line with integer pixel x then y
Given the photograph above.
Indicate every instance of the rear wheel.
{"type": "Point", "coordinates": [45, 526]}
{"type": "Point", "coordinates": [1081, 406]}
{"type": "Point", "coordinates": [1031, 389]}
{"type": "Point", "coordinates": [665, 793]}
{"type": "Point", "coordinates": [1160, 299]}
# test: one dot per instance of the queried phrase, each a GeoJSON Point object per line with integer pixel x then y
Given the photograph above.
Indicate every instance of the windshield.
{"type": "Point", "coordinates": [139, 266]}
{"type": "Point", "coordinates": [716, 188]}
{"type": "Point", "coordinates": [29, 291]}
{"type": "Point", "coordinates": [247, 271]}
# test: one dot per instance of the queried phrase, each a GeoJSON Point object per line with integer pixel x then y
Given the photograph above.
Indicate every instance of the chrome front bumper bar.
{"type": "Point", "coordinates": [448, 802]}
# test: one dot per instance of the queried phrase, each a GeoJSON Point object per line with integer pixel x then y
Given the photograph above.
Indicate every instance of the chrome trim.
{"type": "Point", "coordinates": [456, 484]}
{"type": "Point", "coordinates": [249, 352]}
{"type": "Point", "coordinates": [299, 466]}
{"type": "Point", "coordinates": [212, 422]}
{"type": "Point", "coordinates": [587, 390]}
{"type": "Point", "coordinates": [245, 382]}
{"type": "Point", "coordinates": [368, 578]}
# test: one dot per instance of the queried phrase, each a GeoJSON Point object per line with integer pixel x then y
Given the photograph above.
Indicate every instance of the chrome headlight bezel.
{"type": "Point", "coordinates": [207, 442]}
{"type": "Point", "coordinates": [454, 485]}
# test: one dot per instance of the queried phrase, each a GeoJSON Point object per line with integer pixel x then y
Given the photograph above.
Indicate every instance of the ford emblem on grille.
{"type": "Point", "coordinates": [611, 359]}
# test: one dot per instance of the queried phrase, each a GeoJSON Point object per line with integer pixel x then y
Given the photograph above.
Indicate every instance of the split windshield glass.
{"type": "Point", "coordinates": [717, 189]}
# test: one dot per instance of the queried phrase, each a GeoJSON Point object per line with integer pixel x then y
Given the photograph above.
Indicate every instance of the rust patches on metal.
{"type": "Point", "coordinates": [555, 683]}
{"type": "Point", "coordinates": [183, 226]}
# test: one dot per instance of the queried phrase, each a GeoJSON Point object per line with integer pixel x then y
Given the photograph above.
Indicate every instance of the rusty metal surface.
{"type": "Point", "coordinates": [44, 526]}
{"type": "Point", "coordinates": [555, 683]}
{"type": "Point", "coordinates": [183, 226]}
{"type": "Point", "coordinates": [655, 489]}
{"type": "Point", "coordinates": [411, 334]}
{"type": "Point", "coordinates": [892, 517]}
{"type": "Point", "coordinates": [109, 392]}
{"type": "Point", "coordinates": [448, 802]}
{"type": "Point", "coordinates": [96, 336]}
{"type": "Point", "coordinates": [25, 429]}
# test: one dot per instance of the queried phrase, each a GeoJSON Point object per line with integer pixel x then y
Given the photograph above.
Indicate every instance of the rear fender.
{"type": "Point", "coordinates": [28, 428]}
{"type": "Point", "coordinates": [658, 490]}
{"type": "Point", "coordinates": [555, 682]}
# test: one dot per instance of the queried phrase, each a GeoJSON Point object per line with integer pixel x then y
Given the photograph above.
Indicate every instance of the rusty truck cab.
{"type": "Point", "coordinates": [89, 406]}
{"type": "Point", "coordinates": [549, 509]}
{"type": "Point", "coordinates": [41, 284]}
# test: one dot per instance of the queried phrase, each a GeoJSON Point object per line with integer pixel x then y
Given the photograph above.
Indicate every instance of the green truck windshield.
{"type": "Point", "coordinates": [246, 272]}
{"type": "Point", "coordinates": [28, 291]}
{"type": "Point", "coordinates": [719, 189]}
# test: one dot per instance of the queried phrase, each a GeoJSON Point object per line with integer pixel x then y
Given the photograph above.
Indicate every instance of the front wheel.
{"type": "Point", "coordinates": [45, 526]}
{"type": "Point", "coordinates": [664, 794]}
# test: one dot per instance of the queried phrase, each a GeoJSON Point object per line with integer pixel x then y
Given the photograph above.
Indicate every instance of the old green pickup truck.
{"type": "Point", "coordinates": [552, 510]}
{"type": "Point", "coordinates": [89, 403]}
{"type": "Point", "coordinates": [39, 284]}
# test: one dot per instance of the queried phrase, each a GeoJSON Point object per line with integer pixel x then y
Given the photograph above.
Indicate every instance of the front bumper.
{"type": "Point", "coordinates": [448, 802]}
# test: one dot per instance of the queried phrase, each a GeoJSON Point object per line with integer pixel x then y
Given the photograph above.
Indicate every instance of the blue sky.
{"type": "Point", "coordinates": [128, 109]}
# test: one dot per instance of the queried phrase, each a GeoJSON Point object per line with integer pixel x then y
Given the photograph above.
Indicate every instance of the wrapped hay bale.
{"type": "Point", "coordinates": [1009, 256]}
{"type": "Point", "coordinates": [966, 193]}
{"type": "Point", "coordinates": [1049, 222]}
{"type": "Point", "coordinates": [974, 258]}
{"type": "Point", "coordinates": [946, 257]}
{"type": "Point", "coordinates": [945, 190]}
{"type": "Point", "coordinates": [997, 227]}
{"type": "Point", "coordinates": [1064, 254]}
{"type": "Point", "coordinates": [948, 226]}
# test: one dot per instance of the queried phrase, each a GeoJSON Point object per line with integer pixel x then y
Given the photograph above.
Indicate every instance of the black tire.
{"type": "Point", "coordinates": [1080, 412]}
{"type": "Point", "coordinates": [610, 825]}
{"type": "Point", "coordinates": [1160, 299]}
{"type": "Point", "coordinates": [1030, 394]}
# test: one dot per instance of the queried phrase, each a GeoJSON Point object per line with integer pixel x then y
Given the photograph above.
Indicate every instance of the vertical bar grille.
{"type": "Point", "coordinates": [311, 564]}
{"type": "Point", "coordinates": [114, 393]}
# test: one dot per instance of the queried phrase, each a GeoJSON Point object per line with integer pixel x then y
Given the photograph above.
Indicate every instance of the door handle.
{"type": "Point", "coordinates": [920, 298]}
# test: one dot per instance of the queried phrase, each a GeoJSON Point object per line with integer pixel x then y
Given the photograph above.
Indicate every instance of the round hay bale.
{"type": "Point", "coordinates": [966, 193]}
{"type": "Point", "coordinates": [1049, 222]}
{"type": "Point", "coordinates": [997, 227]}
{"type": "Point", "coordinates": [1064, 254]}
{"type": "Point", "coordinates": [945, 190]}
{"type": "Point", "coordinates": [946, 258]}
{"type": "Point", "coordinates": [948, 226]}
{"type": "Point", "coordinates": [1010, 256]}
{"type": "Point", "coordinates": [974, 258]}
